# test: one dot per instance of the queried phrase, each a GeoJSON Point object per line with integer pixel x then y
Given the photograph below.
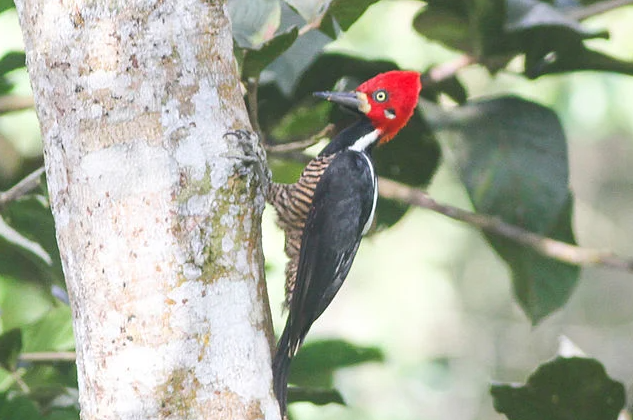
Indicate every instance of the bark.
{"type": "Point", "coordinates": [157, 217]}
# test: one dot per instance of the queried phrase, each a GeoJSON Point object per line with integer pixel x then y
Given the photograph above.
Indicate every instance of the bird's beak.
{"type": "Point", "coordinates": [354, 101]}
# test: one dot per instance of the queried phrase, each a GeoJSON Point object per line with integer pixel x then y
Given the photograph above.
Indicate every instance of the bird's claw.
{"type": "Point", "coordinates": [253, 153]}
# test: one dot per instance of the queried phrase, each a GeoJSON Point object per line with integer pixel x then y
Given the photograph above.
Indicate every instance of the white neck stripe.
{"type": "Point", "coordinates": [364, 142]}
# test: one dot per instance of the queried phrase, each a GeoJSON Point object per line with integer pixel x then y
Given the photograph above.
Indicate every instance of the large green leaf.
{"type": "Point", "coordinates": [562, 389]}
{"type": "Point", "coordinates": [6, 4]}
{"type": "Point", "coordinates": [497, 30]}
{"type": "Point", "coordinates": [254, 21]}
{"type": "Point", "coordinates": [286, 70]}
{"type": "Point", "coordinates": [34, 301]}
{"type": "Point", "coordinates": [511, 154]}
{"type": "Point", "coordinates": [316, 362]}
{"type": "Point", "coordinates": [256, 60]}
{"type": "Point", "coordinates": [10, 347]}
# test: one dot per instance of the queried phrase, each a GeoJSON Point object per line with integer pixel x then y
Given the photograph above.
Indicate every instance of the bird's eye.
{"type": "Point", "coordinates": [380, 96]}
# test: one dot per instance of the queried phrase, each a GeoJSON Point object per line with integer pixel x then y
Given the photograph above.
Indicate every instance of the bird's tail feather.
{"type": "Point", "coordinates": [281, 369]}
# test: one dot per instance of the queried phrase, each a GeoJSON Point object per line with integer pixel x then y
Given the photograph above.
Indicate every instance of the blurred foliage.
{"type": "Point", "coordinates": [564, 388]}
{"type": "Point", "coordinates": [510, 154]}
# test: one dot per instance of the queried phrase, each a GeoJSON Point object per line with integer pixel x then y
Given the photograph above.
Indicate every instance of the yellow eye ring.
{"type": "Point", "coordinates": [380, 95]}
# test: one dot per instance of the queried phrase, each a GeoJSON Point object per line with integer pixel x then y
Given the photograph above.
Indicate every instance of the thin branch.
{"type": "Point", "coordinates": [315, 24]}
{"type": "Point", "coordinates": [11, 103]}
{"type": "Point", "coordinates": [17, 378]}
{"type": "Point", "coordinates": [29, 183]}
{"type": "Point", "coordinates": [301, 144]}
{"type": "Point", "coordinates": [53, 356]}
{"type": "Point", "coordinates": [448, 69]}
{"type": "Point", "coordinates": [548, 247]}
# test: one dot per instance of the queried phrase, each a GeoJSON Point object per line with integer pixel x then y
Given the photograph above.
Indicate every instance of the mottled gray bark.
{"type": "Point", "coordinates": [158, 222]}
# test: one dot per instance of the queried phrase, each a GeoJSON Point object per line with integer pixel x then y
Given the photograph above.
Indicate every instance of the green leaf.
{"type": "Point", "coordinates": [497, 30]}
{"type": "Point", "coordinates": [511, 154]}
{"type": "Point", "coordinates": [574, 59]}
{"type": "Point", "coordinates": [304, 120]}
{"type": "Point", "coordinates": [257, 60]}
{"type": "Point", "coordinates": [309, 10]}
{"type": "Point", "coordinates": [451, 86]}
{"type": "Point", "coordinates": [10, 347]}
{"type": "Point", "coordinates": [6, 4]}
{"type": "Point", "coordinates": [316, 362]}
{"type": "Point", "coordinates": [12, 61]}
{"type": "Point", "coordinates": [32, 304]}
{"type": "Point", "coordinates": [18, 407]}
{"type": "Point", "coordinates": [254, 21]}
{"type": "Point", "coordinates": [562, 389]}
{"type": "Point", "coordinates": [32, 234]}
{"type": "Point", "coordinates": [315, 396]}
{"type": "Point", "coordinates": [342, 14]}
{"type": "Point", "coordinates": [412, 158]}
{"type": "Point", "coordinates": [445, 22]}
{"type": "Point", "coordinates": [541, 285]}
{"type": "Point", "coordinates": [290, 66]}
{"type": "Point", "coordinates": [9, 62]}
{"type": "Point", "coordinates": [63, 414]}
{"type": "Point", "coordinates": [53, 332]}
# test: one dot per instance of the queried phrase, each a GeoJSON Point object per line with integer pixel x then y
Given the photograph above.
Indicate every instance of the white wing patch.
{"type": "Point", "coordinates": [363, 143]}
{"type": "Point", "coordinates": [375, 187]}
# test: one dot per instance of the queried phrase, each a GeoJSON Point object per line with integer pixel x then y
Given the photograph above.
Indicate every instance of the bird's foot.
{"type": "Point", "coordinates": [252, 153]}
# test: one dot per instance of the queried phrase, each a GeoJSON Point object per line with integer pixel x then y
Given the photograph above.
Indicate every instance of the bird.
{"type": "Point", "coordinates": [331, 207]}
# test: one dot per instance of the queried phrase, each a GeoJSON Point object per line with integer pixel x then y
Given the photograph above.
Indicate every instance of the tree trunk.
{"type": "Point", "coordinates": [157, 217]}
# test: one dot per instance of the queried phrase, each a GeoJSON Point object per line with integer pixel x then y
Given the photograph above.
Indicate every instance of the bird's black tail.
{"type": "Point", "coordinates": [281, 369]}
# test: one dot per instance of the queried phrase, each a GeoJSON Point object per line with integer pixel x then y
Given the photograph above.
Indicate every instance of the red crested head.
{"type": "Point", "coordinates": [391, 98]}
{"type": "Point", "coordinates": [387, 100]}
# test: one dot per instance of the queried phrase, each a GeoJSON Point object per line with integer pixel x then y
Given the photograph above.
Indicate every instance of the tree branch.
{"type": "Point", "coordinates": [301, 144]}
{"type": "Point", "coordinates": [548, 247]}
{"type": "Point", "coordinates": [28, 184]}
{"type": "Point", "coordinates": [10, 103]}
{"type": "Point", "coordinates": [46, 356]}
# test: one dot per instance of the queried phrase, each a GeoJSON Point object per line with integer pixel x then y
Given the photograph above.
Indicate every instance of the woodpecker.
{"type": "Point", "coordinates": [327, 211]}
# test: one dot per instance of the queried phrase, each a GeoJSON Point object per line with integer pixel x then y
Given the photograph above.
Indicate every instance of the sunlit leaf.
{"type": "Point", "coordinates": [511, 155]}
{"type": "Point", "coordinates": [562, 389]}
{"type": "Point", "coordinates": [342, 14]}
{"type": "Point", "coordinates": [6, 4]}
{"type": "Point", "coordinates": [53, 332]}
